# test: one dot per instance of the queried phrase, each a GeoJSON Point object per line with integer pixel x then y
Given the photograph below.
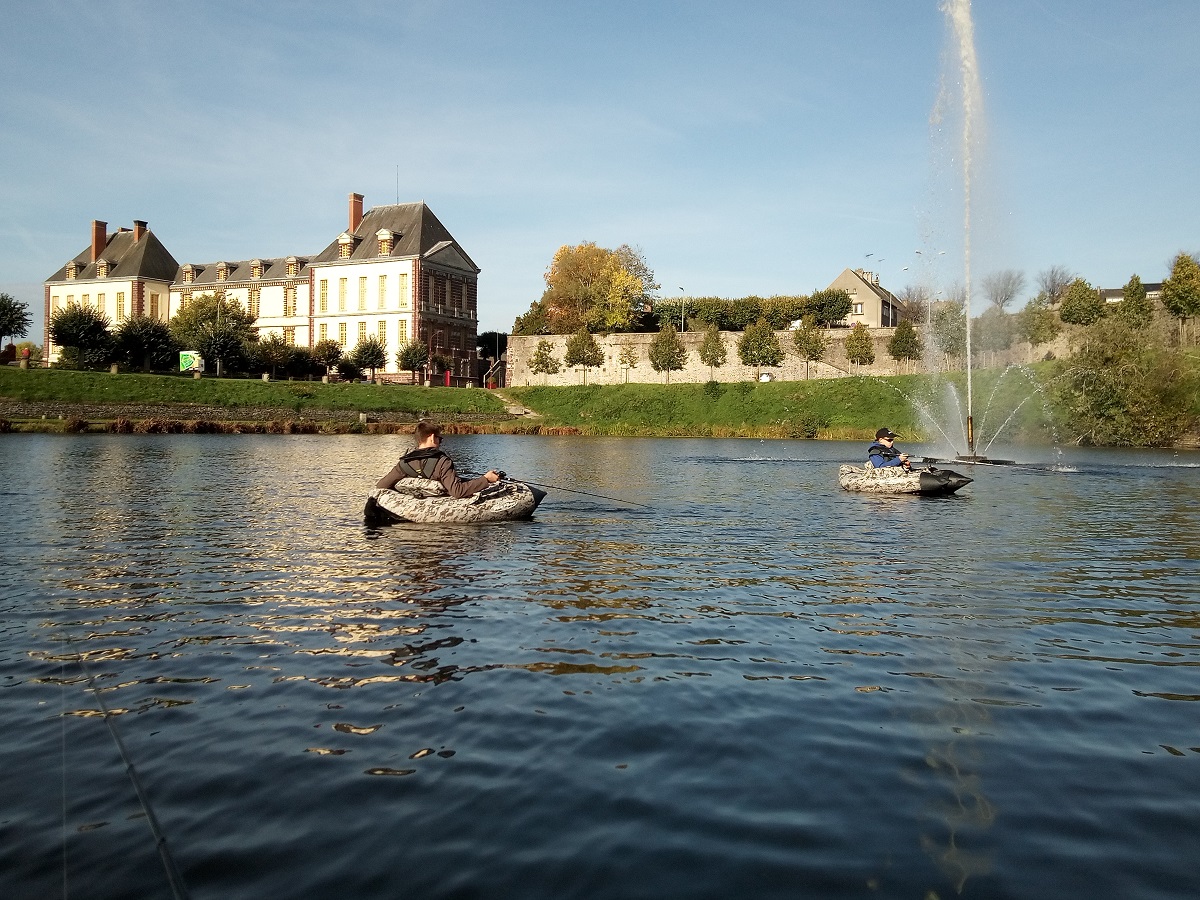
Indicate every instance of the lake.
{"type": "Point", "coordinates": [753, 685]}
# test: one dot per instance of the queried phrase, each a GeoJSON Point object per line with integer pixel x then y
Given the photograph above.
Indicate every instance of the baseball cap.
{"type": "Point", "coordinates": [884, 433]}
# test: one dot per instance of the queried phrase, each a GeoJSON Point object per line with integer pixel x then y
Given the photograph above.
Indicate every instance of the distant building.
{"type": "Point", "coordinates": [395, 273]}
{"type": "Point", "coordinates": [1116, 295]}
{"type": "Point", "coordinates": [872, 305]}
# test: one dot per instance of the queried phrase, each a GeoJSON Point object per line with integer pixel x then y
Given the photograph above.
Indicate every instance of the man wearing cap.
{"type": "Point", "coordinates": [883, 452]}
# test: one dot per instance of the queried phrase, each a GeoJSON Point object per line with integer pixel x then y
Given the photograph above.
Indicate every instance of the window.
{"type": "Point", "coordinates": [102, 268]}
{"type": "Point", "coordinates": [345, 246]}
{"type": "Point", "coordinates": [54, 302]}
{"type": "Point", "coordinates": [85, 301]}
{"type": "Point", "coordinates": [255, 297]}
{"type": "Point", "coordinates": [342, 294]}
{"type": "Point", "coordinates": [383, 292]}
{"type": "Point", "coordinates": [403, 287]}
{"type": "Point", "coordinates": [362, 331]}
{"type": "Point", "coordinates": [100, 302]}
{"type": "Point", "coordinates": [324, 301]}
{"type": "Point", "coordinates": [289, 300]}
{"type": "Point", "coordinates": [342, 334]}
{"type": "Point", "coordinates": [222, 271]}
{"type": "Point", "coordinates": [324, 332]}
{"type": "Point", "coordinates": [362, 292]}
{"type": "Point", "coordinates": [293, 266]}
{"type": "Point", "coordinates": [402, 332]}
{"type": "Point", "coordinates": [428, 291]}
{"type": "Point", "coordinates": [858, 309]}
{"type": "Point", "coordinates": [382, 329]}
{"type": "Point", "coordinates": [70, 299]}
{"type": "Point", "coordinates": [256, 268]}
{"type": "Point", "coordinates": [120, 305]}
{"type": "Point", "coordinates": [289, 336]}
{"type": "Point", "coordinates": [72, 268]}
{"type": "Point", "coordinates": [184, 299]}
{"type": "Point", "coordinates": [385, 241]}
{"type": "Point", "coordinates": [153, 305]}
{"type": "Point", "coordinates": [439, 340]}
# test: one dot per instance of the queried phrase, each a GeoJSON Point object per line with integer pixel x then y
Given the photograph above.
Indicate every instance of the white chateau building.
{"type": "Point", "coordinates": [395, 273]}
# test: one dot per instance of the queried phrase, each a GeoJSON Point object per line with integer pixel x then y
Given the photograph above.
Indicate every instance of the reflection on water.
{"type": "Point", "coordinates": [761, 685]}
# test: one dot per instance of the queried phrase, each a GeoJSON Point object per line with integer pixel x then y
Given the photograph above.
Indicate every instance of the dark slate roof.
{"type": "Point", "coordinates": [127, 258]}
{"type": "Point", "coordinates": [239, 271]}
{"type": "Point", "coordinates": [418, 229]}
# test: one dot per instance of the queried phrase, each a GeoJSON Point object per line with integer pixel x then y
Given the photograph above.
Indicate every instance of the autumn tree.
{"type": "Point", "coordinates": [594, 287]}
{"type": "Point", "coordinates": [904, 344]}
{"type": "Point", "coordinates": [712, 351]}
{"type": "Point", "coordinates": [1181, 291]}
{"type": "Point", "coordinates": [758, 346]}
{"type": "Point", "coordinates": [544, 362]}
{"type": "Point", "coordinates": [667, 353]}
{"type": "Point", "coordinates": [860, 349]}
{"type": "Point", "coordinates": [1081, 304]}
{"type": "Point", "coordinates": [810, 343]}
{"type": "Point", "coordinates": [1001, 288]}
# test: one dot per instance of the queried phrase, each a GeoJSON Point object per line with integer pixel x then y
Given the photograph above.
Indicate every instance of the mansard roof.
{"type": "Point", "coordinates": [126, 258]}
{"type": "Point", "coordinates": [240, 271]}
{"type": "Point", "coordinates": [418, 233]}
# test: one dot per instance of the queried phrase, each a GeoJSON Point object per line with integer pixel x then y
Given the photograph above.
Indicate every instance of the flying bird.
{"type": "Point", "coordinates": [869, 255]}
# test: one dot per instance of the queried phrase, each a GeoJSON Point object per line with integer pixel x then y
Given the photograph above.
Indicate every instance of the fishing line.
{"type": "Point", "coordinates": [555, 487]}
{"type": "Point", "coordinates": [160, 840]}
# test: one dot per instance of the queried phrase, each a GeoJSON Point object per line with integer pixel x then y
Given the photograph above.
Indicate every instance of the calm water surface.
{"type": "Point", "coordinates": [760, 686]}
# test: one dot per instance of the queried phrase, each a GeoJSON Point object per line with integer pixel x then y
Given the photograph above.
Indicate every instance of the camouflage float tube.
{"type": "Point", "coordinates": [425, 501]}
{"type": "Point", "coordinates": [898, 480]}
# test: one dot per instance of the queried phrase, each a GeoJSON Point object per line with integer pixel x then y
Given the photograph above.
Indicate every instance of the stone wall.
{"type": "Point", "coordinates": [833, 365]}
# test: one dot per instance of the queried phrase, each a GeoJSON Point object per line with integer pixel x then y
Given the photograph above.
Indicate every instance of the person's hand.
{"type": "Point", "coordinates": [492, 475]}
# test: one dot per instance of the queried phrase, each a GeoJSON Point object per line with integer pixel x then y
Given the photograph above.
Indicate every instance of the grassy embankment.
{"type": "Point", "coordinates": [845, 408]}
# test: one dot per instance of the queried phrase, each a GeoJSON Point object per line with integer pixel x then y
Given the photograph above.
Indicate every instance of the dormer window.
{"type": "Point", "coordinates": [345, 246]}
{"type": "Point", "coordinates": [293, 267]}
{"type": "Point", "coordinates": [102, 268]}
{"type": "Point", "coordinates": [386, 239]}
{"type": "Point", "coordinates": [222, 271]}
{"type": "Point", "coordinates": [256, 268]}
{"type": "Point", "coordinates": [189, 273]}
{"type": "Point", "coordinates": [72, 270]}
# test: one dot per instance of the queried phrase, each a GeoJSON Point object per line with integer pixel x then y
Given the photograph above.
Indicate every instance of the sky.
{"type": "Point", "coordinates": [756, 148]}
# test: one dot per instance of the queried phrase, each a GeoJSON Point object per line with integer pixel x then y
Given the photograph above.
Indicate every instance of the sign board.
{"type": "Point", "coordinates": [191, 361]}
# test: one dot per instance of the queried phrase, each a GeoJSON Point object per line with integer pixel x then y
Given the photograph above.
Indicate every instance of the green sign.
{"type": "Point", "coordinates": [190, 361]}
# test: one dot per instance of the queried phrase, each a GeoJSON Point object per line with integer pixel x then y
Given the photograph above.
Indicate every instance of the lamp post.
{"type": "Point", "coordinates": [682, 307]}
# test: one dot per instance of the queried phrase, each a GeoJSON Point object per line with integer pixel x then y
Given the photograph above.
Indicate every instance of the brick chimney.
{"type": "Point", "coordinates": [356, 215]}
{"type": "Point", "coordinates": [99, 238]}
{"type": "Point", "coordinates": [139, 229]}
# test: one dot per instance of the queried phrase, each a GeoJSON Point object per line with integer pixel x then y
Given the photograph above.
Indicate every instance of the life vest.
{"type": "Point", "coordinates": [420, 463]}
{"type": "Point", "coordinates": [885, 452]}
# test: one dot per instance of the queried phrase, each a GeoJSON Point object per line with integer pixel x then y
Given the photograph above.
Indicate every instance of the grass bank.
{"type": "Point", "coordinates": [835, 409]}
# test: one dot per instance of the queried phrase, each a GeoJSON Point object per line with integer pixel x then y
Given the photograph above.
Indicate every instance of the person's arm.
{"type": "Point", "coordinates": [389, 480]}
{"type": "Point", "coordinates": [456, 487]}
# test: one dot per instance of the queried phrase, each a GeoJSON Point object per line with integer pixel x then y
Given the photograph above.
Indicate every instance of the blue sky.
{"type": "Point", "coordinates": [758, 148]}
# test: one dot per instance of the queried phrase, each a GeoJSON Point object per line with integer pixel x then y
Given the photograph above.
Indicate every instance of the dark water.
{"type": "Point", "coordinates": [759, 687]}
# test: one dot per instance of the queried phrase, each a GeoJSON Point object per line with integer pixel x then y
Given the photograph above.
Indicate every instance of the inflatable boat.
{"type": "Point", "coordinates": [425, 501]}
{"type": "Point", "coordinates": [899, 480]}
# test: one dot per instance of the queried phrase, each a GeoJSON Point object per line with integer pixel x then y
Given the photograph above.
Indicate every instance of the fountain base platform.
{"type": "Point", "coordinates": [972, 459]}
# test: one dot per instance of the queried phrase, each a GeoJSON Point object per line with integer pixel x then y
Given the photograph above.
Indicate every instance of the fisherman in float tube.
{"type": "Point", "coordinates": [429, 461]}
{"type": "Point", "coordinates": [883, 452]}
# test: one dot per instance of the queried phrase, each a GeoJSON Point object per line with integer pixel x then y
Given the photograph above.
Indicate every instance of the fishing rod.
{"type": "Point", "coordinates": [555, 487]}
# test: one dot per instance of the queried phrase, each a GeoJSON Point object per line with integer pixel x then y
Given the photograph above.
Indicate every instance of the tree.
{"type": "Point", "coordinates": [413, 357]}
{"type": "Point", "coordinates": [1053, 282]}
{"type": "Point", "coordinates": [328, 353]}
{"type": "Point", "coordinates": [1120, 389]}
{"type": "Point", "coordinates": [916, 301]}
{"type": "Point", "coordinates": [1081, 304]}
{"type": "Point", "coordinates": [216, 322]}
{"type": "Point", "coordinates": [14, 318]}
{"type": "Point", "coordinates": [491, 344]}
{"type": "Point", "coordinates": [1037, 323]}
{"type": "Point", "coordinates": [145, 343]}
{"type": "Point", "coordinates": [274, 352]}
{"type": "Point", "coordinates": [543, 362]}
{"type": "Point", "coordinates": [950, 329]}
{"type": "Point", "coordinates": [759, 347]}
{"type": "Point", "coordinates": [860, 349]}
{"type": "Point", "coordinates": [1134, 309]}
{"type": "Point", "coordinates": [667, 353]}
{"type": "Point", "coordinates": [829, 307]}
{"type": "Point", "coordinates": [82, 333]}
{"type": "Point", "coordinates": [628, 359]}
{"type": "Point", "coordinates": [1181, 291]}
{"type": "Point", "coordinates": [1001, 288]}
{"type": "Point", "coordinates": [371, 353]}
{"type": "Point", "coordinates": [810, 343]}
{"type": "Point", "coordinates": [582, 350]}
{"type": "Point", "coordinates": [712, 351]}
{"type": "Point", "coordinates": [588, 285]}
{"type": "Point", "coordinates": [992, 331]}
{"type": "Point", "coordinates": [781, 311]}
{"type": "Point", "coordinates": [905, 343]}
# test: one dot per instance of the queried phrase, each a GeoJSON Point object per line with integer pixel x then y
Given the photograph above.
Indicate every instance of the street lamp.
{"type": "Point", "coordinates": [682, 307]}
